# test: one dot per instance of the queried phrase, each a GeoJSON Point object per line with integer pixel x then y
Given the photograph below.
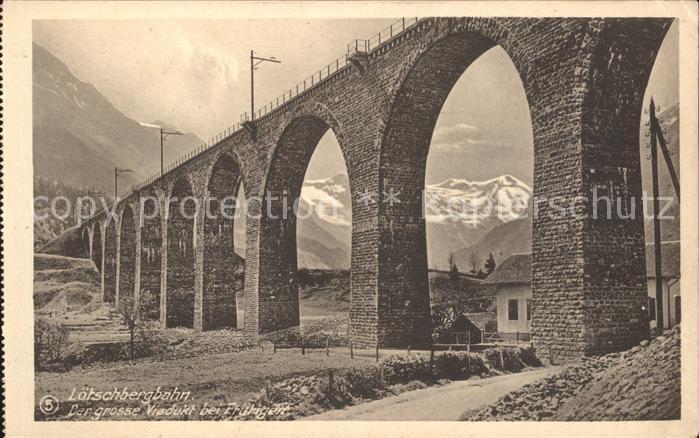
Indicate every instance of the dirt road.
{"type": "Point", "coordinates": [440, 402]}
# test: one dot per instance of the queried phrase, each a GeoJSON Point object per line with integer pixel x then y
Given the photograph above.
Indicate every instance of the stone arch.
{"type": "Point", "coordinates": [277, 305]}
{"type": "Point", "coordinates": [110, 259]}
{"type": "Point", "coordinates": [311, 111]}
{"type": "Point", "coordinates": [97, 245]}
{"type": "Point", "coordinates": [223, 269]}
{"type": "Point", "coordinates": [127, 256]}
{"type": "Point", "coordinates": [590, 64]}
{"type": "Point", "coordinates": [486, 32]}
{"type": "Point", "coordinates": [232, 154]}
{"type": "Point", "coordinates": [151, 252]}
{"type": "Point", "coordinates": [403, 297]}
{"type": "Point", "coordinates": [180, 255]}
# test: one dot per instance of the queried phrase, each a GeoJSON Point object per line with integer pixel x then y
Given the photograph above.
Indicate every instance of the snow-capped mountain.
{"type": "Point", "coordinates": [329, 198]}
{"type": "Point", "coordinates": [476, 204]}
{"type": "Point", "coordinates": [458, 213]}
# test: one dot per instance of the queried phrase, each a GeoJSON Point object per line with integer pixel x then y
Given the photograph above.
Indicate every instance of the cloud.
{"type": "Point", "coordinates": [457, 136]}
{"type": "Point", "coordinates": [207, 70]}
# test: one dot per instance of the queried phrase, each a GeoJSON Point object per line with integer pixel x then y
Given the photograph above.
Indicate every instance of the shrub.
{"type": "Point", "coordinates": [511, 358]}
{"type": "Point", "coordinates": [148, 340]}
{"type": "Point", "coordinates": [51, 344]}
{"type": "Point", "coordinates": [458, 365]}
{"type": "Point", "coordinates": [362, 382]}
{"type": "Point", "coordinates": [403, 369]}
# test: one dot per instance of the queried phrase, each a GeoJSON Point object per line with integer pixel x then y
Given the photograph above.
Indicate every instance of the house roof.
{"type": "Point", "coordinates": [670, 262]}
{"type": "Point", "coordinates": [515, 269]}
{"type": "Point", "coordinates": [480, 319]}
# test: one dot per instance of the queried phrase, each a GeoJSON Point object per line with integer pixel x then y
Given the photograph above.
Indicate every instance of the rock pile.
{"type": "Point", "coordinates": [642, 383]}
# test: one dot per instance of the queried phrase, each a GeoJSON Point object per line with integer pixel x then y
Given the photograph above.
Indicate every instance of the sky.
{"type": "Point", "coordinates": [194, 74]}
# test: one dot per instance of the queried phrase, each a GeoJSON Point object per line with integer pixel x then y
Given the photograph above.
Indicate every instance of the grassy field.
{"type": "Point", "coordinates": [216, 379]}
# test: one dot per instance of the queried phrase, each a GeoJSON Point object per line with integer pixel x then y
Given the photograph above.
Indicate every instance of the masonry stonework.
{"type": "Point", "coordinates": [180, 257]}
{"type": "Point", "coordinates": [151, 247]}
{"type": "Point", "coordinates": [584, 79]}
{"type": "Point", "coordinates": [219, 257]}
{"type": "Point", "coordinates": [127, 256]}
{"type": "Point", "coordinates": [110, 262]}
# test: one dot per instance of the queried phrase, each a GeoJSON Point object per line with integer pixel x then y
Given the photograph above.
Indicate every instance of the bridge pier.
{"type": "Point", "coordinates": [180, 262]}
{"type": "Point", "coordinates": [127, 257]}
{"type": "Point", "coordinates": [150, 250]}
{"type": "Point", "coordinates": [164, 239]}
{"type": "Point", "coordinates": [110, 261]}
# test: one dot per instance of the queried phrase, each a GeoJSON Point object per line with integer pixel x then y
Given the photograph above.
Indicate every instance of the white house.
{"type": "Point", "coordinates": [512, 282]}
{"type": "Point", "coordinates": [672, 302]}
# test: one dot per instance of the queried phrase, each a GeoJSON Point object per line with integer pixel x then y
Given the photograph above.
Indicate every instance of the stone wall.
{"type": "Point", "coordinates": [180, 257]}
{"type": "Point", "coordinates": [127, 257]}
{"type": "Point", "coordinates": [110, 262]}
{"type": "Point", "coordinates": [220, 259]}
{"type": "Point", "coordinates": [151, 250]}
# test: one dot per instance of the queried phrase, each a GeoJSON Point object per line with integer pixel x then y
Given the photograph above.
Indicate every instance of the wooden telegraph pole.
{"type": "Point", "coordinates": [659, 317]}
{"type": "Point", "coordinates": [656, 135]}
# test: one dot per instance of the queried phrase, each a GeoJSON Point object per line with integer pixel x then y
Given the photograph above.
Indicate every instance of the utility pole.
{"type": "Point", "coordinates": [253, 65]}
{"type": "Point", "coordinates": [118, 172]}
{"type": "Point", "coordinates": [163, 135]}
{"type": "Point", "coordinates": [666, 154]}
{"type": "Point", "coordinates": [659, 317]}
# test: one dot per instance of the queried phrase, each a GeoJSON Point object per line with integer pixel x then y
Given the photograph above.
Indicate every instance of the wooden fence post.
{"type": "Point", "coordinates": [351, 350]}
{"type": "Point", "coordinates": [377, 352]}
{"type": "Point", "coordinates": [327, 347]}
{"type": "Point", "coordinates": [267, 389]}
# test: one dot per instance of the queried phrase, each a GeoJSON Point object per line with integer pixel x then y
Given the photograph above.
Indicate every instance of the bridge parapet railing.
{"type": "Point", "coordinates": [396, 28]}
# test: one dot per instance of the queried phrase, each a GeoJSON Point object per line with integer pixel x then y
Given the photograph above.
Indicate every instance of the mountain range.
{"type": "Point", "coordinates": [79, 136]}
{"type": "Point", "coordinates": [457, 213]}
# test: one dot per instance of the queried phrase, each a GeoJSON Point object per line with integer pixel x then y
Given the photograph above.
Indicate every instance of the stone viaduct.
{"type": "Point", "coordinates": [584, 80]}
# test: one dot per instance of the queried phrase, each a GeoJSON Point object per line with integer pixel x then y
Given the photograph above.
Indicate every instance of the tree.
{"type": "Point", "coordinates": [134, 316]}
{"type": "Point", "coordinates": [490, 264]}
{"type": "Point", "coordinates": [474, 262]}
{"type": "Point", "coordinates": [453, 269]}
{"type": "Point", "coordinates": [451, 260]}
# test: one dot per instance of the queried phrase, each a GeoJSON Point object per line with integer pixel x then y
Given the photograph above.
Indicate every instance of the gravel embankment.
{"type": "Point", "coordinates": [642, 383]}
